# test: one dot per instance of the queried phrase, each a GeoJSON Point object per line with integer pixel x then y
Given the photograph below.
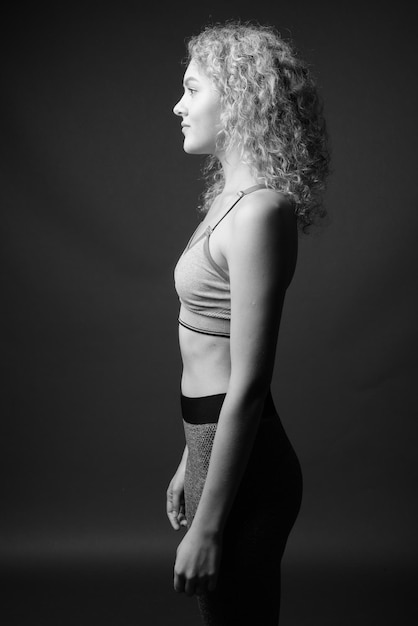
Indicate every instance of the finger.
{"type": "Point", "coordinates": [169, 500]}
{"type": "Point", "coordinates": [181, 518]}
{"type": "Point", "coordinates": [179, 582]}
{"type": "Point", "coordinates": [176, 504]}
{"type": "Point", "coordinates": [173, 520]}
{"type": "Point", "coordinates": [172, 512]}
{"type": "Point", "coordinates": [172, 516]}
{"type": "Point", "coordinates": [202, 585]}
{"type": "Point", "coordinates": [190, 586]}
{"type": "Point", "coordinates": [211, 583]}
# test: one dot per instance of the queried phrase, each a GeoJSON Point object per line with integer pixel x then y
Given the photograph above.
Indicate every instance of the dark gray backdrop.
{"type": "Point", "coordinates": [97, 201]}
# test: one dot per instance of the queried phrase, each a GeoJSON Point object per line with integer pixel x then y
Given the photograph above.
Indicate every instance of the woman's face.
{"type": "Point", "coordinates": [200, 109]}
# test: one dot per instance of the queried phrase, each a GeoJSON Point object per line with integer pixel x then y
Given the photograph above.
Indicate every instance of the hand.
{"type": "Point", "coordinates": [197, 563]}
{"type": "Point", "coordinates": [175, 499]}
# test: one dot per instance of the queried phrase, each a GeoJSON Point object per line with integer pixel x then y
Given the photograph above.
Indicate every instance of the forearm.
{"type": "Point", "coordinates": [236, 431]}
{"type": "Point", "coordinates": [184, 456]}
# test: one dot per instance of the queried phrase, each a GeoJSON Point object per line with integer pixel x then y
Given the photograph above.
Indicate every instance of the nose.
{"type": "Point", "coordinates": [179, 108]}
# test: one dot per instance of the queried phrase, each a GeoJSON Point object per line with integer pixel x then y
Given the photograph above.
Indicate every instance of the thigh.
{"type": "Point", "coordinates": [267, 504]}
{"type": "Point", "coordinates": [261, 518]}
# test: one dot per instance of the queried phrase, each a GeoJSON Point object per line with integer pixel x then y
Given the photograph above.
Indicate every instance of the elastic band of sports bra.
{"type": "Point", "coordinates": [204, 324]}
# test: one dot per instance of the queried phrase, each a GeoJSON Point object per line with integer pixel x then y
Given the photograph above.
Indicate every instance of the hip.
{"type": "Point", "coordinates": [271, 486]}
{"type": "Point", "coordinates": [270, 449]}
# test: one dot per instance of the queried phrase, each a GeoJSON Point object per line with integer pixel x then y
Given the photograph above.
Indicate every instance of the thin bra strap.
{"type": "Point", "coordinates": [240, 195]}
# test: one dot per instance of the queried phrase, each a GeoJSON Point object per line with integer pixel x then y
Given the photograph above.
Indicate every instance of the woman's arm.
{"type": "Point", "coordinates": [260, 257]}
{"type": "Point", "coordinates": [175, 495]}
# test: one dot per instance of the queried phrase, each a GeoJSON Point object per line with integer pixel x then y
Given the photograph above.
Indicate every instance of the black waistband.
{"type": "Point", "coordinates": [206, 409]}
{"type": "Point", "coordinates": [202, 410]}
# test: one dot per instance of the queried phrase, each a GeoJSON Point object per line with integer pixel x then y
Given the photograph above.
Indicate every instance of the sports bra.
{"type": "Point", "coordinates": [203, 286]}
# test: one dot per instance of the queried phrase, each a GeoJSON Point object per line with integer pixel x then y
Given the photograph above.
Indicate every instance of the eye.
{"type": "Point", "coordinates": [191, 91]}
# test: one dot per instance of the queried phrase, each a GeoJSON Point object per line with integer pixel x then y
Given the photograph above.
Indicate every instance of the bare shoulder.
{"type": "Point", "coordinates": [265, 208]}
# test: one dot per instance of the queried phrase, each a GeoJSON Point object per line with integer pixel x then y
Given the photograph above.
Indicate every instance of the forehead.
{"type": "Point", "coordinates": [194, 70]}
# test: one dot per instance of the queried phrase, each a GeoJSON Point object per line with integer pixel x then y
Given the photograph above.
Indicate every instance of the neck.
{"type": "Point", "coordinates": [237, 174]}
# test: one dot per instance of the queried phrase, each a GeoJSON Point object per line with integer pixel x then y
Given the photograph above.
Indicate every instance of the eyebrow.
{"type": "Point", "coordinates": [190, 79]}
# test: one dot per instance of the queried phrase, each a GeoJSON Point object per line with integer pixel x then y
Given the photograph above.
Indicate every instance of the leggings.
{"type": "Point", "coordinates": [258, 525]}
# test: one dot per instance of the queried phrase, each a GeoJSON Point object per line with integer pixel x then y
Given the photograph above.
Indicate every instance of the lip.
{"type": "Point", "coordinates": [185, 126]}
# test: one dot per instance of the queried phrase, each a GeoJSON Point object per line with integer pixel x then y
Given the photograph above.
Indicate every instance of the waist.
{"type": "Point", "coordinates": [206, 409]}
{"type": "Point", "coordinates": [206, 363]}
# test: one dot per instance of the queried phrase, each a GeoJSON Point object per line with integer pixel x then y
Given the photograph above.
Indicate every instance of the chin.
{"type": "Point", "coordinates": [193, 149]}
{"type": "Point", "coordinates": [189, 147]}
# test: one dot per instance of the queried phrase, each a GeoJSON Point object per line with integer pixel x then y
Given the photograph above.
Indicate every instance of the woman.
{"type": "Point", "coordinates": [250, 104]}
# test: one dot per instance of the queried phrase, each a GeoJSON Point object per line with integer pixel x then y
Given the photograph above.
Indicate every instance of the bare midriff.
{"type": "Point", "coordinates": [206, 363]}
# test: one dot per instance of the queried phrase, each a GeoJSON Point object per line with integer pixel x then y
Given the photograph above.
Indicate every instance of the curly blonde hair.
{"type": "Point", "coordinates": [270, 108]}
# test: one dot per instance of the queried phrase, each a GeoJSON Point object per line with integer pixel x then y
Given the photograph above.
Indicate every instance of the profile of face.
{"type": "Point", "coordinates": [200, 108]}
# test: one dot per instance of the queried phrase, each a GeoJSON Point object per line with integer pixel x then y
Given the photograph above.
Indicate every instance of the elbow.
{"type": "Point", "coordinates": [251, 391]}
